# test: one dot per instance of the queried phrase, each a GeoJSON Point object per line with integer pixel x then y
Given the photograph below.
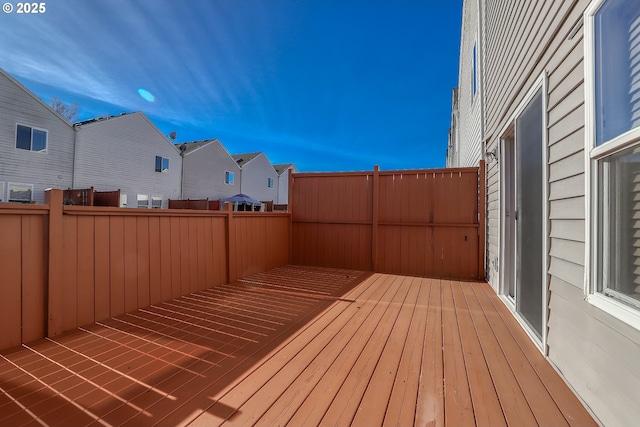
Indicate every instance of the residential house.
{"type": "Point", "coordinates": [561, 133]}
{"type": "Point", "coordinates": [467, 104]}
{"type": "Point", "coordinates": [129, 153]}
{"type": "Point", "coordinates": [453, 140]}
{"type": "Point", "coordinates": [283, 170]}
{"type": "Point", "coordinates": [36, 145]}
{"type": "Point", "coordinates": [259, 178]}
{"type": "Point", "coordinates": [209, 171]}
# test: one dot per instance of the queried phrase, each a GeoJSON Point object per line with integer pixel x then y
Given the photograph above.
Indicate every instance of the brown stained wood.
{"type": "Point", "coordinates": [377, 395]}
{"type": "Point", "coordinates": [116, 265]}
{"type": "Point", "coordinates": [541, 403]}
{"type": "Point", "coordinates": [486, 406]}
{"type": "Point", "coordinates": [514, 404]}
{"type": "Point", "coordinates": [33, 278]}
{"type": "Point", "coordinates": [70, 274]}
{"type": "Point", "coordinates": [85, 269]}
{"type": "Point", "coordinates": [10, 303]}
{"type": "Point", "coordinates": [130, 251]}
{"type": "Point", "coordinates": [144, 265]}
{"type": "Point", "coordinates": [165, 265]}
{"type": "Point", "coordinates": [430, 408]}
{"type": "Point", "coordinates": [457, 395]}
{"type": "Point", "coordinates": [567, 403]}
{"type": "Point", "coordinates": [101, 269]}
{"type": "Point", "coordinates": [295, 346]}
{"type": "Point", "coordinates": [402, 403]}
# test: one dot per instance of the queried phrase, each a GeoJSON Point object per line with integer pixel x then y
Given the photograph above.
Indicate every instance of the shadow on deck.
{"type": "Point", "coordinates": [295, 346]}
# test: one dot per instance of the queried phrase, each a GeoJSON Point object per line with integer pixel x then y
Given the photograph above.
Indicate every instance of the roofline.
{"type": "Point", "coordinates": [34, 96]}
{"type": "Point", "coordinates": [79, 125]}
{"type": "Point", "coordinates": [220, 144]}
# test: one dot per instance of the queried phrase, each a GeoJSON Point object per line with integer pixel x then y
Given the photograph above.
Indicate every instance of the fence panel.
{"type": "Point", "coordinates": [22, 274]}
{"type": "Point", "coordinates": [332, 218]}
{"type": "Point", "coordinates": [422, 222]}
{"type": "Point", "coordinates": [92, 263]}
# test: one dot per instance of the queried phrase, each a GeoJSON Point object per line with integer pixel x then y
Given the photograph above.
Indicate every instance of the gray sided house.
{"type": "Point", "coordinates": [129, 153]}
{"type": "Point", "coordinates": [561, 136]}
{"type": "Point", "coordinates": [36, 145]}
{"type": "Point", "coordinates": [259, 178]}
{"type": "Point", "coordinates": [209, 171]}
{"type": "Point", "coordinates": [283, 170]}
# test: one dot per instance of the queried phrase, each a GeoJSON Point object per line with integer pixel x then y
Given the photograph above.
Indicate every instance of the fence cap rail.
{"type": "Point", "coordinates": [473, 170]}
{"type": "Point", "coordinates": [21, 208]}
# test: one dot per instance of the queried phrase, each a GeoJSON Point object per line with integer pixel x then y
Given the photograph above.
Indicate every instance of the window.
{"type": "Point", "coordinates": [228, 177]}
{"type": "Point", "coordinates": [270, 182]}
{"type": "Point", "coordinates": [474, 76]}
{"type": "Point", "coordinates": [31, 139]}
{"type": "Point", "coordinates": [143, 201]}
{"type": "Point", "coordinates": [123, 200]}
{"type": "Point", "coordinates": [162, 164]}
{"type": "Point", "coordinates": [156, 202]}
{"type": "Point", "coordinates": [19, 193]}
{"type": "Point", "coordinates": [612, 31]}
{"type": "Point", "coordinates": [1, 191]}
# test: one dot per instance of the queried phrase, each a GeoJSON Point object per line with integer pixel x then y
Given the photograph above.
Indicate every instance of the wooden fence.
{"type": "Point", "coordinates": [66, 266]}
{"type": "Point", "coordinates": [420, 222]}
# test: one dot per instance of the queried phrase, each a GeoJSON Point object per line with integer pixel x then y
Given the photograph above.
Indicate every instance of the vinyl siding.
{"type": "Point", "coordinates": [469, 105]}
{"type": "Point", "coordinates": [254, 179]}
{"type": "Point", "coordinates": [596, 353]}
{"type": "Point", "coordinates": [52, 169]}
{"type": "Point", "coordinates": [120, 153]}
{"type": "Point", "coordinates": [204, 173]}
{"type": "Point", "coordinates": [283, 186]}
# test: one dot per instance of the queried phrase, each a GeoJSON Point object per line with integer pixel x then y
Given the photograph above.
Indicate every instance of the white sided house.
{"type": "Point", "coordinates": [127, 152]}
{"type": "Point", "coordinates": [466, 132]}
{"type": "Point", "coordinates": [284, 170]}
{"type": "Point", "coordinates": [259, 178]}
{"type": "Point", "coordinates": [36, 145]}
{"type": "Point", "coordinates": [561, 135]}
{"type": "Point", "coordinates": [209, 171]}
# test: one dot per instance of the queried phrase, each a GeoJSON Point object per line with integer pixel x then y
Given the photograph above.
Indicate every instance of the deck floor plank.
{"type": "Point", "coordinates": [430, 407]}
{"type": "Point", "coordinates": [376, 399]}
{"type": "Point", "coordinates": [296, 346]}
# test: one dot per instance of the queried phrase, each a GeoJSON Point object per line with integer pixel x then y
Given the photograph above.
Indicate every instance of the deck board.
{"type": "Point", "coordinates": [296, 346]}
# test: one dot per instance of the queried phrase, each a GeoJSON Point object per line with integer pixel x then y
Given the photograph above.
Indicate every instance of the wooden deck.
{"type": "Point", "coordinates": [296, 346]}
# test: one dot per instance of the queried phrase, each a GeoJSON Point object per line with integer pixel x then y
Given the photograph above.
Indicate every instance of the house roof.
{"type": "Point", "coordinates": [243, 159]}
{"type": "Point", "coordinates": [100, 119]}
{"type": "Point", "coordinates": [281, 167]}
{"type": "Point", "coordinates": [194, 145]}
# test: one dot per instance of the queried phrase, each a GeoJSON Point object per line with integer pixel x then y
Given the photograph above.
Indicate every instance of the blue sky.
{"type": "Point", "coordinates": [329, 85]}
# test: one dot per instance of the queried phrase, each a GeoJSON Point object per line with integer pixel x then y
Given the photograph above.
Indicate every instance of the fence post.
{"type": "Point", "coordinates": [231, 245]}
{"type": "Point", "coordinates": [374, 219]}
{"type": "Point", "coordinates": [53, 198]}
{"type": "Point", "coordinates": [290, 210]}
{"type": "Point", "coordinates": [482, 212]}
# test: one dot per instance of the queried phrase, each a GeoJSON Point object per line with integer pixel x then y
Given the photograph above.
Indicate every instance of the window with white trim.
{"type": "Point", "coordinates": [612, 61]}
{"type": "Point", "coordinates": [270, 182]}
{"type": "Point", "coordinates": [19, 193]}
{"type": "Point", "coordinates": [228, 177]}
{"type": "Point", "coordinates": [31, 139]}
{"type": "Point", "coordinates": [162, 164]}
{"type": "Point", "coordinates": [143, 201]}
